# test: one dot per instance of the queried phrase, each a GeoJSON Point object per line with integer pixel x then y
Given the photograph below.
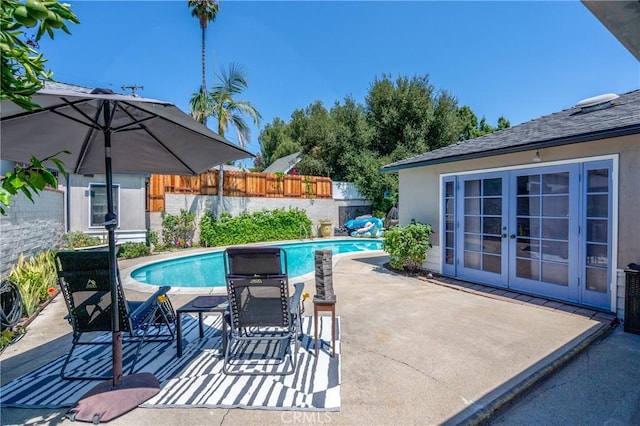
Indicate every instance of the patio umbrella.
{"type": "Point", "coordinates": [110, 133]}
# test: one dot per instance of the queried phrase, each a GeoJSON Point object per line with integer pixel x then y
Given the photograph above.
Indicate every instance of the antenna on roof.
{"type": "Point", "coordinates": [133, 88]}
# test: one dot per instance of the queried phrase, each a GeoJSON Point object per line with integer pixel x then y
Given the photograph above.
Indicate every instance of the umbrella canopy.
{"type": "Point", "coordinates": [107, 133]}
{"type": "Point", "coordinates": [147, 136]}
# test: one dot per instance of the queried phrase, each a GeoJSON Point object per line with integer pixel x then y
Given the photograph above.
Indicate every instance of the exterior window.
{"type": "Point", "coordinates": [98, 203]}
{"type": "Point", "coordinates": [597, 235]}
{"type": "Point", "coordinates": [449, 222]}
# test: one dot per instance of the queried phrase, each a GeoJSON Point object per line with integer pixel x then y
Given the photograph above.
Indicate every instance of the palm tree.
{"type": "Point", "coordinates": [221, 104]}
{"type": "Point", "coordinates": [205, 11]}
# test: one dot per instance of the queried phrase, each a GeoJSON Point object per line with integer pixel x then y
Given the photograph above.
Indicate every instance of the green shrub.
{"type": "Point", "coordinates": [152, 238]}
{"type": "Point", "coordinates": [130, 250]}
{"type": "Point", "coordinates": [177, 231]}
{"type": "Point", "coordinates": [34, 278]}
{"type": "Point", "coordinates": [265, 225]}
{"type": "Point", "coordinates": [75, 239]}
{"type": "Point", "coordinates": [407, 246]}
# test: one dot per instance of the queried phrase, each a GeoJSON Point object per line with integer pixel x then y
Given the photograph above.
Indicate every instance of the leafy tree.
{"type": "Point", "coordinates": [222, 104]}
{"type": "Point", "coordinates": [471, 128]}
{"type": "Point", "coordinates": [205, 11]}
{"type": "Point", "coordinates": [353, 137]}
{"type": "Point", "coordinates": [401, 113]}
{"type": "Point", "coordinates": [503, 123]}
{"type": "Point", "coordinates": [446, 125]}
{"type": "Point", "coordinates": [469, 123]}
{"type": "Point", "coordinates": [23, 68]}
{"type": "Point", "coordinates": [275, 142]}
{"type": "Point", "coordinates": [23, 74]}
{"type": "Point", "coordinates": [28, 180]}
{"type": "Point", "coordinates": [401, 117]}
{"type": "Point", "coordinates": [314, 130]}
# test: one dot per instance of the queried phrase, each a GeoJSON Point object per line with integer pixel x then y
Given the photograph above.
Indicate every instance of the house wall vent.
{"type": "Point", "coordinates": [597, 102]}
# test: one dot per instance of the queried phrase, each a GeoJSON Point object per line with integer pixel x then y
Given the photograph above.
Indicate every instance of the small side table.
{"type": "Point", "coordinates": [320, 305]}
{"type": "Point", "coordinates": [202, 305]}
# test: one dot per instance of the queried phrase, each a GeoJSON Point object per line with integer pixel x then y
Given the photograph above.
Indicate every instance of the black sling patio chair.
{"type": "Point", "coordinates": [84, 283]}
{"type": "Point", "coordinates": [266, 324]}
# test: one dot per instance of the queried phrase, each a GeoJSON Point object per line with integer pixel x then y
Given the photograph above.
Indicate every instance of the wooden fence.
{"type": "Point", "coordinates": [237, 184]}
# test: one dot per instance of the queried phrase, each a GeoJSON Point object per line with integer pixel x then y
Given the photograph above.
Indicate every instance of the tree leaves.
{"type": "Point", "coordinates": [23, 68]}
{"type": "Point", "coordinates": [401, 118]}
{"type": "Point", "coordinates": [28, 180]}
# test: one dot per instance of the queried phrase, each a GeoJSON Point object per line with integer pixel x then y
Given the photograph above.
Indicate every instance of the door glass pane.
{"type": "Point", "coordinates": [555, 250]}
{"type": "Point", "coordinates": [492, 187]}
{"type": "Point", "coordinates": [555, 273]}
{"type": "Point", "coordinates": [528, 206]}
{"type": "Point", "coordinates": [448, 189]}
{"type": "Point", "coordinates": [555, 183]}
{"type": "Point", "coordinates": [449, 223]}
{"type": "Point", "coordinates": [472, 242]}
{"type": "Point", "coordinates": [598, 180]}
{"type": "Point", "coordinates": [598, 205]}
{"type": "Point", "coordinates": [472, 224]}
{"type": "Point", "coordinates": [555, 205]}
{"type": "Point", "coordinates": [472, 205]}
{"type": "Point", "coordinates": [483, 224]}
{"type": "Point", "coordinates": [491, 263]}
{"type": "Point", "coordinates": [449, 239]}
{"type": "Point", "coordinates": [528, 227]}
{"type": "Point", "coordinates": [491, 225]}
{"type": "Point", "coordinates": [555, 228]}
{"type": "Point", "coordinates": [597, 230]}
{"type": "Point", "coordinates": [528, 269]}
{"type": "Point", "coordinates": [597, 280]}
{"type": "Point", "coordinates": [472, 188]}
{"type": "Point", "coordinates": [528, 248]}
{"type": "Point", "coordinates": [448, 256]}
{"type": "Point", "coordinates": [597, 255]}
{"type": "Point", "coordinates": [472, 260]}
{"type": "Point", "coordinates": [492, 245]}
{"type": "Point", "coordinates": [448, 206]}
{"type": "Point", "coordinates": [492, 206]}
{"type": "Point", "coordinates": [528, 184]}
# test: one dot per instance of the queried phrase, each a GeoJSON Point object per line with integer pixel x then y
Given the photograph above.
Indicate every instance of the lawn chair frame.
{"type": "Point", "coordinates": [85, 286]}
{"type": "Point", "coordinates": [260, 307]}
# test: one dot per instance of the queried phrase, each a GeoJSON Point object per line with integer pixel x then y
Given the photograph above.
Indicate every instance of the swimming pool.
{"type": "Point", "coordinates": [207, 270]}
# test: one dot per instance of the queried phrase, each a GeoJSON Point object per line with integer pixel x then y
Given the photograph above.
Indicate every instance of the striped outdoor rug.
{"type": "Point", "coordinates": [196, 379]}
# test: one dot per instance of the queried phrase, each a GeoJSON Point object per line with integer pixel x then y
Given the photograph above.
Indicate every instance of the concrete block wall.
{"type": "Point", "coordinates": [316, 209]}
{"type": "Point", "coordinates": [30, 228]}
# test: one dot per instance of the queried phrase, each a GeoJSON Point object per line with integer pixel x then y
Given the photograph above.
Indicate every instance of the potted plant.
{"type": "Point", "coordinates": [326, 227]}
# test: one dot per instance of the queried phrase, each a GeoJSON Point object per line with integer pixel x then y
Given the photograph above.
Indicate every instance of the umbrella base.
{"type": "Point", "coordinates": [104, 402]}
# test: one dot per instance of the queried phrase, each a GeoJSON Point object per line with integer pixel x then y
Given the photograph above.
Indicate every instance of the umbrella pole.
{"type": "Point", "coordinates": [113, 398]}
{"type": "Point", "coordinates": [111, 222]}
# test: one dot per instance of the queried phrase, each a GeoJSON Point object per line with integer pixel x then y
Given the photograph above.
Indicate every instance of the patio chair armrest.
{"type": "Point", "coordinates": [294, 307]}
{"type": "Point", "coordinates": [143, 309]}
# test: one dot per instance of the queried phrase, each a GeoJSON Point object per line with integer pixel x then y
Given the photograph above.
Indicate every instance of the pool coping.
{"type": "Point", "coordinates": [130, 283]}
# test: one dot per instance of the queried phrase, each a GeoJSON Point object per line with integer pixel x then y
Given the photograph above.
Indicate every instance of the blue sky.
{"type": "Point", "coordinates": [517, 59]}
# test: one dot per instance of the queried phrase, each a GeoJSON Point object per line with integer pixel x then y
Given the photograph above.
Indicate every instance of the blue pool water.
{"type": "Point", "coordinates": [207, 270]}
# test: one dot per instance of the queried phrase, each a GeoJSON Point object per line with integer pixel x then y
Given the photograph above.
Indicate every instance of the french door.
{"type": "Point", "coordinates": [544, 233]}
{"type": "Point", "coordinates": [482, 240]}
{"type": "Point", "coordinates": [543, 230]}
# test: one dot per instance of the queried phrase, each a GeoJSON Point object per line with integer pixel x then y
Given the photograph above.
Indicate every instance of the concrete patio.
{"type": "Point", "coordinates": [413, 351]}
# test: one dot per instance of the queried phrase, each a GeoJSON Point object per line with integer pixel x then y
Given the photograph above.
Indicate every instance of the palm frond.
{"type": "Point", "coordinates": [200, 106]}
{"type": "Point", "coordinates": [204, 10]}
